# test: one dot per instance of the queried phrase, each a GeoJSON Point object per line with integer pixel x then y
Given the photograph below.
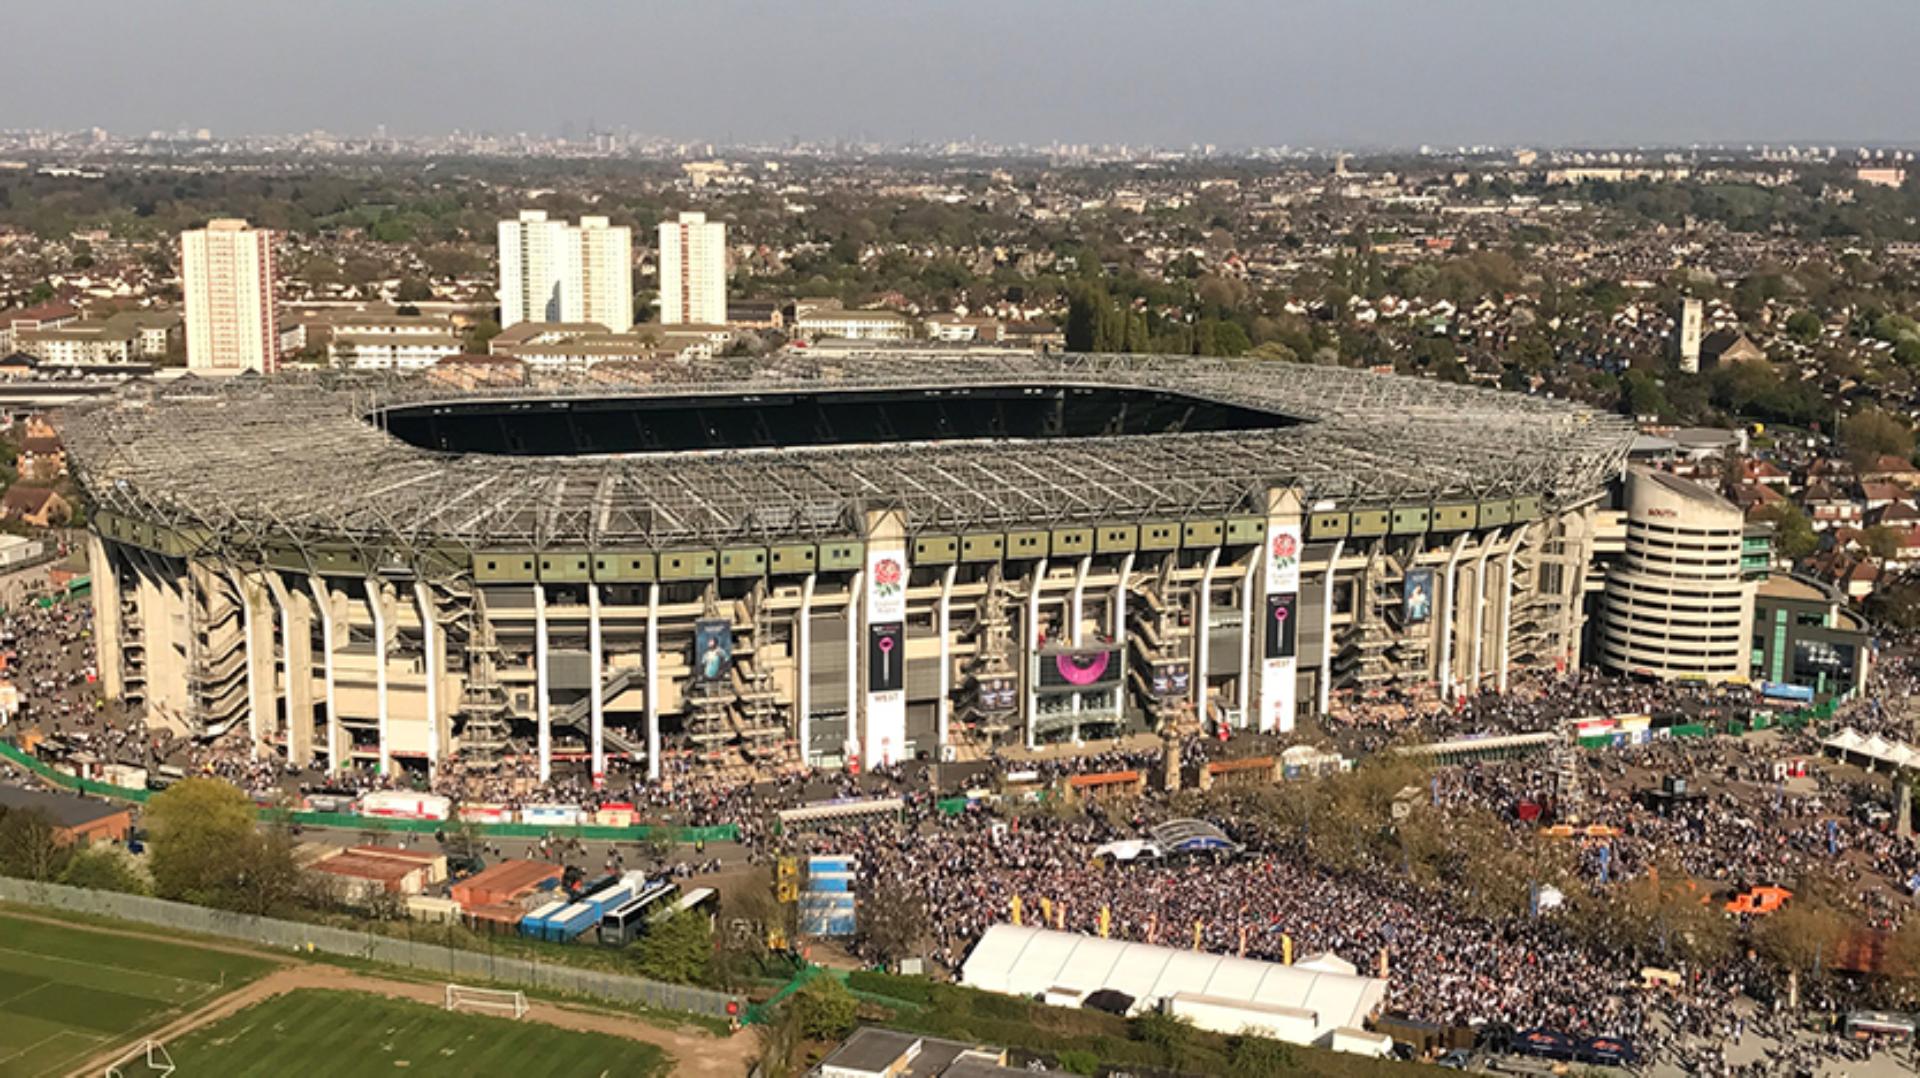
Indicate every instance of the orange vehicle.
{"type": "Point", "coordinates": [1759, 900]}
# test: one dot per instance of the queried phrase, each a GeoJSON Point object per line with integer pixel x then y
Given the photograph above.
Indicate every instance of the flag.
{"type": "Point", "coordinates": [1196, 933]}
{"type": "Point", "coordinates": [1286, 949]}
{"type": "Point", "coordinates": [1016, 909]}
{"type": "Point", "coordinates": [1106, 922]}
{"type": "Point", "coordinates": [1383, 963]}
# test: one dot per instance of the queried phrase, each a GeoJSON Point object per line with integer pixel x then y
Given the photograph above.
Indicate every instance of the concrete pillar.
{"type": "Point", "coordinates": [257, 626]}
{"type": "Point", "coordinates": [542, 709]}
{"type": "Point", "coordinates": [1202, 639]}
{"type": "Point", "coordinates": [1506, 607]}
{"type": "Point", "coordinates": [1249, 623]}
{"type": "Point", "coordinates": [943, 620]}
{"type": "Point", "coordinates": [337, 750]}
{"type": "Point", "coordinates": [163, 623]}
{"type": "Point", "coordinates": [1447, 607]}
{"type": "Point", "coordinates": [1029, 661]}
{"type": "Point", "coordinates": [803, 670]}
{"type": "Point", "coordinates": [1119, 628]}
{"type": "Point", "coordinates": [1074, 600]}
{"type": "Point", "coordinates": [1324, 688]}
{"type": "Point", "coordinates": [433, 651]}
{"type": "Point", "coordinates": [1479, 612]}
{"type": "Point", "coordinates": [653, 682]}
{"type": "Point", "coordinates": [106, 617]}
{"type": "Point", "coordinates": [377, 604]}
{"type": "Point", "coordinates": [854, 588]}
{"type": "Point", "coordinates": [596, 703]}
{"type": "Point", "coordinates": [296, 654]}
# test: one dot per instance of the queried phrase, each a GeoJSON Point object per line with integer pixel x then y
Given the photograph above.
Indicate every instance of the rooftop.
{"type": "Point", "coordinates": [65, 810]}
{"type": "Point", "coordinates": [188, 453]}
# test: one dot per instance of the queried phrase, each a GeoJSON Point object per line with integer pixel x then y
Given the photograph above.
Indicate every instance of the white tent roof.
{"type": "Point", "coordinates": [1877, 749]}
{"type": "Point", "coordinates": [1025, 961]}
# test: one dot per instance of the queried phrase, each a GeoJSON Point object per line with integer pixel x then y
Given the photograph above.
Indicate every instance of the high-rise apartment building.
{"type": "Point", "coordinates": [693, 271]}
{"type": "Point", "coordinates": [1686, 343]}
{"type": "Point", "coordinates": [226, 274]}
{"type": "Point", "coordinates": [551, 271]}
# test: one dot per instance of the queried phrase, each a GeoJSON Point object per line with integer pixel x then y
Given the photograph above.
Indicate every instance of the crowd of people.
{"type": "Point", "coordinates": [1748, 824]}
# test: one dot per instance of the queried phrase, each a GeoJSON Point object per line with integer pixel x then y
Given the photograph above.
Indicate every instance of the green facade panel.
{"type": "Point", "coordinates": [1496, 514]}
{"type": "Point", "coordinates": [501, 566]}
{"type": "Point", "coordinates": [1526, 509]}
{"type": "Point", "coordinates": [1410, 521]}
{"type": "Point", "coordinates": [1246, 530]}
{"type": "Point", "coordinates": [738, 562]}
{"type": "Point", "coordinates": [794, 558]}
{"type": "Point", "coordinates": [847, 555]}
{"type": "Point", "coordinates": [1074, 541]}
{"type": "Point", "coordinates": [1164, 535]}
{"type": "Point", "coordinates": [624, 566]}
{"type": "Point", "coordinates": [936, 550]}
{"type": "Point", "coordinates": [1455, 517]}
{"type": "Point", "coordinates": [1027, 544]}
{"type": "Point", "coordinates": [987, 546]}
{"type": "Point", "coordinates": [1204, 533]}
{"type": "Point", "coordinates": [1368, 523]}
{"type": "Point", "coordinates": [565, 566]}
{"type": "Point", "coordinates": [688, 564]}
{"type": "Point", "coordinates": [1329, 525]}
{"type": "Point", "coordinates": [1117, 538]}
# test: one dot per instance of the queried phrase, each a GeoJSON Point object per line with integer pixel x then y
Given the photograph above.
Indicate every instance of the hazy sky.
{"type": "Point", "coordinates": [1172, 72]}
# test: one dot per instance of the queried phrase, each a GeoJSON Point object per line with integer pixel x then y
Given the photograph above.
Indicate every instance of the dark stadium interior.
{"type": "Point", "coordinates": [679, 424]}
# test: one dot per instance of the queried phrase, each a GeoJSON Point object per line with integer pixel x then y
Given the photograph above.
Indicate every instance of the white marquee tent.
{"type": "Point", "coordinates": [1025, 961]}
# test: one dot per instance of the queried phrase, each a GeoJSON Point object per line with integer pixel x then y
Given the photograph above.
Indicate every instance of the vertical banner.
{"type": "Point", "coordinates": [1279, 671]}
{"type": "Point", "coordinates": [885, 727]}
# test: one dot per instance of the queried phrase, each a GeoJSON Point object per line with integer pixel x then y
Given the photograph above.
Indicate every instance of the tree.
{"type": "Point", "coordinates": [1869, 434]}
{"type": "Point", "coordinates": [207, 849]}
{"type": "Point", "coordinates": [1168, 1033]}
{"type": "Point", "coordinates": [413, 290]}
{"type": "Point", "coordinates": [30, 846]}
{"type": "Point", "coordinates": [479, 334]}
{"type": "Point", "coordinates": [1804, 326]}
{"type": "Point", "coordinates": [825, 1009]}
{"type": "Point", "coordinates": [894, 921]}
{"type": "Point", "coordinates": [1793, 534]}
{"type": "Point", "coordinates": [1259, 1057]}
{"type": "Point", "coordinates": [1882, 541]}
{"type": "Point", "coordinates": [1804, 934]}
{"type": "Point", "coordinates": [103, 868]}
{"type": "Point", "coordinates": [678, 950]}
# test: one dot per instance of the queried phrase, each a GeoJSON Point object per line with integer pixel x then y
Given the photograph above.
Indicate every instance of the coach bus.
{"type": "Point", "coordinates": [623, 923]}
{"type": "Point", "coordinates": [703, 900]}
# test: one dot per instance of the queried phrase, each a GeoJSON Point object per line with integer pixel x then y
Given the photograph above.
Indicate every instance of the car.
{"type": "Point", "coordinates": [1457, 1060]}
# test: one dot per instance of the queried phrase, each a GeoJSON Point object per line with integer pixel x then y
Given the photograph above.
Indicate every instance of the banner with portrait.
{"type": "Point", "coordinates": [1416, 597]}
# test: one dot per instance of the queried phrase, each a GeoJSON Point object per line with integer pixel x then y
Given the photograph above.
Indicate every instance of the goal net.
{"type": "Point", "coordinates": [460, 997]}
{"type": "Point", "coordinates": [149, 1060]}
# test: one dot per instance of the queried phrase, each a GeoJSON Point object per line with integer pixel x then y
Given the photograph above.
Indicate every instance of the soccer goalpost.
{"type": "Point", "coordinates": [497, 1000]}
{"type": "Point", "coordinates": [149, 1059]}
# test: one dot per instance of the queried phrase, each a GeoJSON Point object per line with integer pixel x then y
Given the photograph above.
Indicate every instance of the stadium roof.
{"type": "Point", "coordinates": [252, 459]}
{"type": "Point", "coordinates": [1025, 961]}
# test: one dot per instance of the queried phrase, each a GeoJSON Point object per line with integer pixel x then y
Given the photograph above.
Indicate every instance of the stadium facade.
{"type": "Point", "coordinates": [855, 558]}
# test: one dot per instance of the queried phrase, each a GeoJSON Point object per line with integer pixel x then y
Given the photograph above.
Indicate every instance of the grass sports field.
{"type": "Point", "coordinates": [66, 992]}
{"type": "Point", "coordinates": [329, 1034]}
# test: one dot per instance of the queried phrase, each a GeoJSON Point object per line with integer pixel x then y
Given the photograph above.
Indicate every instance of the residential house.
{"type": "Point", "coordinates": [75, 819]}
{"type": "Point", "coordinates": [41, 507]}
{"type": "Point", "coordinates": [1730, 346]}
{"type": "Point", "coordinates": [1829, 508]}
{"type": "Point", "coordinates": [44, 316]}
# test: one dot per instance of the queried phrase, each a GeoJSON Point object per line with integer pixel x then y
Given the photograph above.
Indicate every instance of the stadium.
{"type": "Point", "coordinates": [853, 559]}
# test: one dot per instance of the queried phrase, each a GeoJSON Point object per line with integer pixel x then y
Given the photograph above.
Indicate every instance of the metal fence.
{"type": "Point", "coordinates": [454, 964]}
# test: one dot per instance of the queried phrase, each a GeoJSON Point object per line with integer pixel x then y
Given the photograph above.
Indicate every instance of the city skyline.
{"type": "Point", "coordinates": [1386, 74]}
